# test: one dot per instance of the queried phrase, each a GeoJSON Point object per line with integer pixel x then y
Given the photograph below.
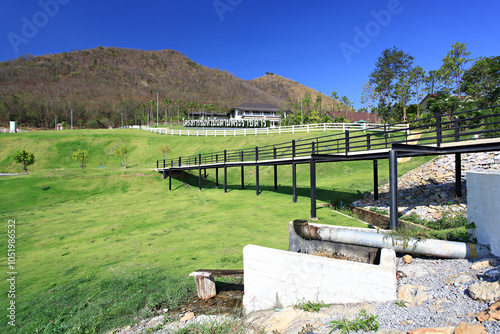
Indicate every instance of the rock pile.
{"type": "Point", "coordinates": [429, 190]}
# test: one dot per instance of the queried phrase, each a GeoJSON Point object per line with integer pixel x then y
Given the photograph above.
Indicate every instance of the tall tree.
{"type": "Point", "coordinates": [166, 102]}
{"type": "Point", "coordinates": [453, 66]}
{"type": "Point", "coordinates": [432, 81]}
{"type": "Point", "coordinates": [368, 95]}
{"type": "Point", "coordinates": [150, 105]}
{"type": "Point", "coordinates": [191, 106]}
{"type": "Point", "coordinates": [482, 81]}
{"type": "Point", "coordinates": [417, 78]}
{"type": "Point", "coordinates": [403, 91]}
{"type": "Point", "coordinates": [390, 66]}
{"type": "Point", "coordinates": [345, 100]}
{"type": "Point", "coordinates": [178, 107]}
{"type": "Point", "coordinates": [317, 104]}
{"type": "Point", "coordinates": [211, 107]}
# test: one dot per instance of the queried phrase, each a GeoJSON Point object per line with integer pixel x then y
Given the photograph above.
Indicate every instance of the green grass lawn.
{"type": "Point", "coordinates": [96, 246]}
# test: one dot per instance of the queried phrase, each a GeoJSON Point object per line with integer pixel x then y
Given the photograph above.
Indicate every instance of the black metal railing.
{"type": "Point", "coordinates": [435, 130]}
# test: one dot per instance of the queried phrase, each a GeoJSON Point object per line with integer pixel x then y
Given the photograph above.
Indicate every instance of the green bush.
{"type": "Point", "coordinates": [310, 306]}
{"type": "Point", "coordinates": [364, 321]}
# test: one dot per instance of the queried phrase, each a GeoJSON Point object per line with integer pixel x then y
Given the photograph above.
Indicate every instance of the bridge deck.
{"type": "Point", "coordinates": [437, 135]}
{"type": "Point", "coordinates": [404, 150]}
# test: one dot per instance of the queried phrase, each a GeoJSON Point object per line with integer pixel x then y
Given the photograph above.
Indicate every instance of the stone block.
{"type": "Point", "coordinates": [483, 196]}
{"type": "Point", "coordinates": [277, 279]}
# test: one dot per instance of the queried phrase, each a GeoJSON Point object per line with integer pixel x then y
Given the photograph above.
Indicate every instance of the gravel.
{"type": "Point", "coordinates": [456, 304]}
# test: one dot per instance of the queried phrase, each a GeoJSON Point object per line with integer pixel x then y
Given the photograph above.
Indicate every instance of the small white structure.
{"type": "Point", "coordinates": [13, 128]}
{"type": "Point", "coordinates": [483, 209]}
{"type": "Point", "coordinates": [277, 278]}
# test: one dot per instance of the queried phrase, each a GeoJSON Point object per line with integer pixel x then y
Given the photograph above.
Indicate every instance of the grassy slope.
{"type": "Point", "coordinates": [101, 224]}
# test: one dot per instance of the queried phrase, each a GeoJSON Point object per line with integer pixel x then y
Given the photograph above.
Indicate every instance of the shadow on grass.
{"type": "Point", "coordinates": [325, 195]}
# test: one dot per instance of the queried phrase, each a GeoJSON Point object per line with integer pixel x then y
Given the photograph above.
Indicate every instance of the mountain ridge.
{"type": "Point", "coordinates": [102, 83]}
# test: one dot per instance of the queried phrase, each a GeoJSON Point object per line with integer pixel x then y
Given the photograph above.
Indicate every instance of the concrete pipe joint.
{"type": "Point", "coordinates": [429, 247]}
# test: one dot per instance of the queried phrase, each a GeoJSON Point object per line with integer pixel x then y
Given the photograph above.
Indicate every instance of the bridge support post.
{"type": "Point", "coordinates": [375, 179]}
{"type": "Point", "coordinates": [164, 174]}
{"type": "Point", "coordinates": [458, 174]}
{"type": "Point", "coordinates": [257, 180]}
{"type": "Point", "coordinates": [275, 177]}
{"type": "Point", "coordinates": [257, 170]}
{"type": "Point", "coordinates": [217, 178]}
{"type": "Point", "coordinates": [199, 179]}
{"type": "Point", "coordinates": [225, 179]}
{"type": "Point", "coordinates": [169, 180]}
{"type": "Point", "coordinates": [225, 171]}
{"type": "Point", "coordinates": [275, 169]}
{"type": "Point", "coordinates": [216, 172]}
{"type": "Point", "coordinates": [242, 177]}
{"type": "Point", "coordinates": [393, 189]}
{"type": "Point", "coordinates": [294, 182]}
{"type": "Point", "coordinates": [312, 165]}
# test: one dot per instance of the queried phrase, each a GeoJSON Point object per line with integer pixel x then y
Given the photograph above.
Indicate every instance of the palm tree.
{"type": "Point", "coordinates": [151, 103]}
{"type": "Point", "coordinates": [178, 106]}
{"type": "Point", "coordinates": [143, 106]}
{"type": "Point", "coordinates": [191, 106]}
{"type": "Point", "coordinates": [166, 103]}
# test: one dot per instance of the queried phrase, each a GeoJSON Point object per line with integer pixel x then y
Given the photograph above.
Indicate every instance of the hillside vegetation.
{"type": "Point", "coordinates": [102, 84]}
{"type": "Point", "coordinates": [291, 91]}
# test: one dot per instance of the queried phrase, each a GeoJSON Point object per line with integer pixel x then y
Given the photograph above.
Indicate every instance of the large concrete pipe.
{"type": "Point", "coordinates": [430, 247]}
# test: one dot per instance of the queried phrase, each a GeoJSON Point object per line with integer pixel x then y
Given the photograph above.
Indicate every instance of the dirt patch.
{"type": "Point", "coordinates": [229, 300]}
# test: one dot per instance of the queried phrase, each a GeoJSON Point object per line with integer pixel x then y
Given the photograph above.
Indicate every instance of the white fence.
{"type": "Point", "coordinates": [274, 130]}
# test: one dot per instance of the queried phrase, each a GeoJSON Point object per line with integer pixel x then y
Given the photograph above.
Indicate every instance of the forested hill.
{"type": "Point", "coordinates": [102, 83]}
{"type": "Point", "coordinates": [291, 91]}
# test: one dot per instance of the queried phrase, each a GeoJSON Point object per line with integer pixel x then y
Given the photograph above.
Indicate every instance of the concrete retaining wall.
{"type": "Point", "coordinates": [276, 279]}
{"type": "Point", "coordinates": [483, 207]}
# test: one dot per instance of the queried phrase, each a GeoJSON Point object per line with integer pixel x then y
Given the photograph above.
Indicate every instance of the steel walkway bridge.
{"type": "Point", "coordinates": [457, 133]}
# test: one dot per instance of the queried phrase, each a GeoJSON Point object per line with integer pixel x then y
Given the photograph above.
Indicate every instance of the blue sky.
{"type": "Point", "coordinates": [327, 45]}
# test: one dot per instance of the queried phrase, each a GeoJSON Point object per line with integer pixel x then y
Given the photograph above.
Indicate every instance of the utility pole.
{"type": "Point", "coordinates": [71, 119]}
{"type": "Point", "coordinates": [157, 106]}
{"type": "Point", "coordinates": [55, 124]}
{"type": "Point", "coordinates": [122, 120]}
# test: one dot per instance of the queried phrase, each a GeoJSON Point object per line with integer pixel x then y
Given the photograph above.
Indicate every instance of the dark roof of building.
{"type": "Point", "coordinates": [435, 96]}
{"type": "Point", "coordinates": [205, 113]}
{"type": "Point", "coordinates": [357, 116]}
{"type": "Point", "coordinates": [257, 107]}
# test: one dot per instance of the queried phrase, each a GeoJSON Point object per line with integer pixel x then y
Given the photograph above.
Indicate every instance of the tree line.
{"type": "Point", "coordinates": [396, 86]}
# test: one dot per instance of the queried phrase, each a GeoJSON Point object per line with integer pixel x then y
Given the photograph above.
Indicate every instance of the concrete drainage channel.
{"type": "Point", "coordinates": [329, 264]}
{"type": "Point", "coordinates": [342, 274]}
{"type": "Point", "coordinates": [354, 265]}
